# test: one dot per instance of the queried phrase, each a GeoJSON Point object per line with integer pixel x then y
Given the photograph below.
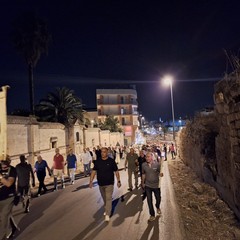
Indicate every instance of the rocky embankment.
{"type": "Point", "coordinates": [204, 214]}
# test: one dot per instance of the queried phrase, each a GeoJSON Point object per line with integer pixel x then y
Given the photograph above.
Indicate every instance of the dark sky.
{"type": "Point", "coordinates": [112, 44]}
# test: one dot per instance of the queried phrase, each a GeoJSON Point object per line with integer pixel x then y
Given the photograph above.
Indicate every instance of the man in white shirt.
{"type": "Point", "coordinates": [86, 160]}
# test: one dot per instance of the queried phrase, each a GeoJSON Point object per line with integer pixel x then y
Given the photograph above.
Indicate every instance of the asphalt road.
{"type": "Point", "coordinates": [76, 213]}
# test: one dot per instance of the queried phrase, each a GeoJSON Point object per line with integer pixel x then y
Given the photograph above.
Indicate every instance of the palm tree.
{"type": "Point", "coordinates": [111, 123]}
{"type": "Point", "coordinates": [61, 106]}
{"type": "Point", "coordinates": [31, 39]}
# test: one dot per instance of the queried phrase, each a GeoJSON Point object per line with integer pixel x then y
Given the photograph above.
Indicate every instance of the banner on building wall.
{"type": "Point", "coordinates": [3, 122]}
{"type": "Point", "coordinates": [128, 131]}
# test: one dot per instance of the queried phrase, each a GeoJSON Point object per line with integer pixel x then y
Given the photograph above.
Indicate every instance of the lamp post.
{"type": "Point", "coordinates": [168, 81]}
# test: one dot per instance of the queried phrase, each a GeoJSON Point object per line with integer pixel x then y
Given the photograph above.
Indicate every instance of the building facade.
{"type": "Point", "coordinates": [123, 105]}
{"type": "Point", "coordinates": [25, 135]}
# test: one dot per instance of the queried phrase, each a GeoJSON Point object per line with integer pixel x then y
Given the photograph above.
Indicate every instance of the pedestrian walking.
{"type": "Point", "coordinates": [141, 160]}
{"type": "Point", "coordinates": [71, 165]}
{"type": "Point", "coordinates": [98, 152]}
{"type": "Point", "coordinates": [40, 170]}
{"type": "Point", "coordinates": [86, 158]}
{"type": "Point", "coordinates": [151, 170]}
{"type": "Point", "coordinates": [24, 172]}
{"type": "Point", "coordinates": [8, 177]}
{"type": "Point", "coordinates": [131, 163]}
{"type": "Point", "coordinates": [58, 169]}
{"type": "Point", "coordinates": [172, 150]}
{"type": "Point", "coordinates": [165, 151]}
{"type": "Point", "coordinates": [105, 169]}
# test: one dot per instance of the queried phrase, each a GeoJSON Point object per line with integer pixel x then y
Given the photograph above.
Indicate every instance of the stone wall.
{"type": "Point", "coordinates": [27, 136]}
{"type": "Point", "coordinates": [210, 144]}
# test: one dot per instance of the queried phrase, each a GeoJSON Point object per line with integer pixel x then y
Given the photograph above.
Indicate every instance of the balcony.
{"type": "Point", "coordinates": [116, 102]}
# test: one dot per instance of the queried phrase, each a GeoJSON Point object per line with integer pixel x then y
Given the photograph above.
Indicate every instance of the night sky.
{"type": "Point", "coordinates": [114, 44]}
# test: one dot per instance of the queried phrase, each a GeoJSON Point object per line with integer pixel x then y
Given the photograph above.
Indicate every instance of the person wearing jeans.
{"type": "Point", "coordinates": [71, 165]}
{"type": "Point", "coordinates": [86, 159]}
{"type": "Point", "coordinates": [150, 182]}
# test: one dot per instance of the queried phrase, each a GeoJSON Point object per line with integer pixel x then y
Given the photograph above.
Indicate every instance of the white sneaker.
{"type": "Point", "coordinates": [39, 195]}
{"type": "Point", "coordinates": [104, 214]}
{"type": "Point", "coordinates": [72, 182]}
{"type": "Point", "coordinates": [107, 218]}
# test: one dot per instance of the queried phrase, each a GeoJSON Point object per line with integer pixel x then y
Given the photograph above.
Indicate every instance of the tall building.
{"type": "Point", "coordinates": [122, 104]}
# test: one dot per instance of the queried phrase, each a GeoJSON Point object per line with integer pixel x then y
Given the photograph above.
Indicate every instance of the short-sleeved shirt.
{"type": "Point", "coordinates": [23, 174]}
{"type": "Point", "coordinates": [41, 167]}
{"type": "Point", "coordinates": [151, 174]}
{"type": "Point", "coordinates": [131, 160]}
{"type": "Point", "coordinates": [58, 161]}
{"type": "Point", "coordinates": [5, 191]}
{"type": "Point", "coordinates": [105, 171]}
{"type": "Point", "coordinates": [71, 161]}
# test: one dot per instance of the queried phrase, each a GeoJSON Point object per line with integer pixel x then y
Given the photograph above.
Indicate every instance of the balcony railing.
{"type": "Point", "coordinates": [116, 102]}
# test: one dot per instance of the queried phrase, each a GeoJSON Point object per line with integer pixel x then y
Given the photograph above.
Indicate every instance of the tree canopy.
{"type": "Point", "coordinates": [111, 124]}
{"type": "Point", "coordinates": [31, 39]}
{"type": "Point", "coordinates": [61, 106]}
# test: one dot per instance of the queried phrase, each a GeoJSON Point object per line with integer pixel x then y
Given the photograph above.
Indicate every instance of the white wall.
{"type": "Point", "coordinates": [29, 137]}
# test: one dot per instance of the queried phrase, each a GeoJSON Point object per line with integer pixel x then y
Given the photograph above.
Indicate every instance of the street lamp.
{"type": "Point", "coordinates": [168, 80]}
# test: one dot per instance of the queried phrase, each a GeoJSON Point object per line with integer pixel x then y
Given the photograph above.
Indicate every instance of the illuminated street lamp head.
{"type": "Point", "coordinates": [167, 80]}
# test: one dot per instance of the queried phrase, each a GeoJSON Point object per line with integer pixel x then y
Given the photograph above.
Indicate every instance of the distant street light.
{"type": "Point", "coordinates": [168, 80]}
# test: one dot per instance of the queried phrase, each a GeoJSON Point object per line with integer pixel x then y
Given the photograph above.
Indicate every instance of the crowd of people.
{"type": "Point", "coordinates": [144, 163]}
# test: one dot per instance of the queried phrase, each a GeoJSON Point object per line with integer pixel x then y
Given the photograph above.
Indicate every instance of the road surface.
{"type": "Point", "coordinates": [76, 213]}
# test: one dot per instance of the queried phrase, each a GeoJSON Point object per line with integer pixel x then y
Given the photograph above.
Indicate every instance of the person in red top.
{"type": "Point", "coordinates": [58, 169]}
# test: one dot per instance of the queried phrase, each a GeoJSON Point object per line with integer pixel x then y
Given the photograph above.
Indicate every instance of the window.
{"type": "Point", "coordinates": [53, 142]}
{"type": "Point", "coordinates": [122, 99]}
{"type": "Point", "coordinates": [77, 137]}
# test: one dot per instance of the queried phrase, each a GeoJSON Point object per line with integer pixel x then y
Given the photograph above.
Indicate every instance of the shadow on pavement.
{"type": "Point", "coordinates": [85, 186]}
{"type": "Point", "coordinates": [38, 212]}
{"type": "Point", "coordinates": [152, 225]}
{"type": "Point", "coordinates": [131, 205]}
{"type": "Point", "coordinates": [97, 225]}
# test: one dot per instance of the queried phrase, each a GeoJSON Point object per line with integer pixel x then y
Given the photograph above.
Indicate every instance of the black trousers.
{"type": "Point", "coordinates": [157, 194]}
{"type": "Point", "coordinates": [41, 178]}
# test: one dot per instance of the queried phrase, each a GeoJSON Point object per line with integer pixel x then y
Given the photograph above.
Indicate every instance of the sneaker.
{"type": "Point", "coordinates": [107, 218]}
{"type": "Point", "coordinates": [159, 211]}
{"type": "Point", "coordinates": [152, 218]}
{"type": "Point", "coordinates": [72, 182]}
{"type": "Point", "coordinates": [14, 230]}
{"type": "Point", "coordinates": [104, 214]}
{"type": "Point", "coordinates": [39, 195]}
